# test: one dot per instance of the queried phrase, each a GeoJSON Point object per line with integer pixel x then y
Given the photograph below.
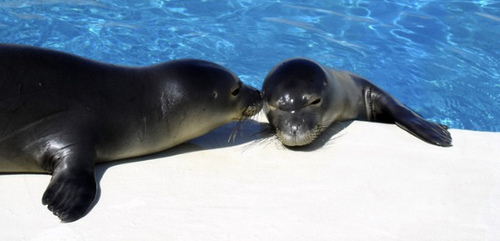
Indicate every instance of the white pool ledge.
{"type": "Point", "coordinates": [369, 182]}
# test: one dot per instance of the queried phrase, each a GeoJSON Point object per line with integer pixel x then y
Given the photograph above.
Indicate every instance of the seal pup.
{"type": "Point", "coordinates": [302, 98]}
{"type": "Point", "coordinates": [61, 114]}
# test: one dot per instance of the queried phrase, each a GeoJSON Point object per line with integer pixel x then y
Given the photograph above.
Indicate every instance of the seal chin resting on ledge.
{"type": "Point", "coordinates": [61, 114]}
{"type": "Point", "coordinates": [302, 98]}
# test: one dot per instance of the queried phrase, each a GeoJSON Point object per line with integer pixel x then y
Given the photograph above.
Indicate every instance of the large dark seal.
{"type": "Point", "coordinates": [61, 114]}
{"type": "Point", "coordinates": [302, 98]}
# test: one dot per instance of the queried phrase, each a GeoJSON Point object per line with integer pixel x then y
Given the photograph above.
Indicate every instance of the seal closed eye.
{"type": "Point", "coordinates": [302, 98]}
{"type": "Point", "coordinates": [61, 114]}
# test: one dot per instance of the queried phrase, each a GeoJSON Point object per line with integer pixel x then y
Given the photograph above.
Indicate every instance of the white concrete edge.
{"type": "Point", "coordinates": [369, 182]}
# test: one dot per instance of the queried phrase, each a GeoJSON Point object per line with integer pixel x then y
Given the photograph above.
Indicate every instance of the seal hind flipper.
{"type": "Point", "coordinates": [385, 108]}
{"type": "Point", "coordinates": [73, 187]}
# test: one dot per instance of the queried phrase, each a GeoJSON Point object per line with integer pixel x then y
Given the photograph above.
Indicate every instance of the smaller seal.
{"type": "Point", "coordinates": [302, 98]}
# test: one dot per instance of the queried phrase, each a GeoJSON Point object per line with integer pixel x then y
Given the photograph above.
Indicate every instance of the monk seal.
{"type": "Point", "coordinates": [302, 98]}
{"type": "Point", "coordinates": [61, 114]}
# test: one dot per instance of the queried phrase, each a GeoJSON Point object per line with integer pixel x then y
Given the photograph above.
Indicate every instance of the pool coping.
{"type": "Point", "coordinates": [369, 181]}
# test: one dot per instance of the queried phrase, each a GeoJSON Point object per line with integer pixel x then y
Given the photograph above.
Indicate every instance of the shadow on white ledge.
{"type": "Point", "coordinates": [368, 182]}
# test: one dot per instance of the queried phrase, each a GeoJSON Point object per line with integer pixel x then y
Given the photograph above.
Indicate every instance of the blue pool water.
{"type": "Point", "coordinates": [441, 58]}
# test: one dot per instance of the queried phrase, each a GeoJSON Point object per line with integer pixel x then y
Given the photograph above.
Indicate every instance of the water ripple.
{"type": "Point", "coordinates": [441, 58]}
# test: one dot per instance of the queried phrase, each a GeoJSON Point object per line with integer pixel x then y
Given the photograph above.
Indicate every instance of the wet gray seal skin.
{"type": "Point", "coordinates": [302, 98]}
{"type": "Point", "coordinates": [61, 114]}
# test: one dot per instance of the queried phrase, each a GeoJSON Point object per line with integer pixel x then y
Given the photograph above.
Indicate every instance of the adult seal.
{"type": "Point", "coordinates": [61, 114]}
{"type": "Point", "coordinates": [302, 98]}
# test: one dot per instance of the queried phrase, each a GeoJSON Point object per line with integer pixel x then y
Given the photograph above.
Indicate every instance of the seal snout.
{"type": "Point", "coordinates": [253, 103]}
{"type": "Point", "coordinates": [294, 128]}
{"type": "Point", "coordinates": [296, 132]}
{"type": "Point", "coordinates": [252, 109]}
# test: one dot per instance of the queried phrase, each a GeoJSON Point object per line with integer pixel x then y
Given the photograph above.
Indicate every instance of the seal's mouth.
{"type": "Point", "coordinates": [294, 138]}
{"type": "Point", "coordinates": [251, 110]}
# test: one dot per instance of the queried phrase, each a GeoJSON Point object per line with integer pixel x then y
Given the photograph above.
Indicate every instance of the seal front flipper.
{"type": "Point", "coordinates": [72, 189]}
{"type": "Point", "coordinates": [383, 107]}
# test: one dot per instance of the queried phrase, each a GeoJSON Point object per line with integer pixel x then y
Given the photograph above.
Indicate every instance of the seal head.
{"type": "Point", "coordinates": [294, 101]}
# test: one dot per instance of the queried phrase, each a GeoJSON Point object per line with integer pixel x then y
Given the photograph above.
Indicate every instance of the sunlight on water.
{"type": "Point", "coordinates": [441, 58]}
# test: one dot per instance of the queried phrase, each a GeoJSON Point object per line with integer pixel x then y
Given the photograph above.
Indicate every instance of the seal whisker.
{"type": "Point", "coordinates": [234, 132]}
{"type": "Point", "coordinates": [237, 128]}
{"type": "Point", "coordinates": [249, 115]}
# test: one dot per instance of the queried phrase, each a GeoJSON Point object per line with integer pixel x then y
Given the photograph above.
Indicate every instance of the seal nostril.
{"type": "Point", "coordinates": [295, 129]}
